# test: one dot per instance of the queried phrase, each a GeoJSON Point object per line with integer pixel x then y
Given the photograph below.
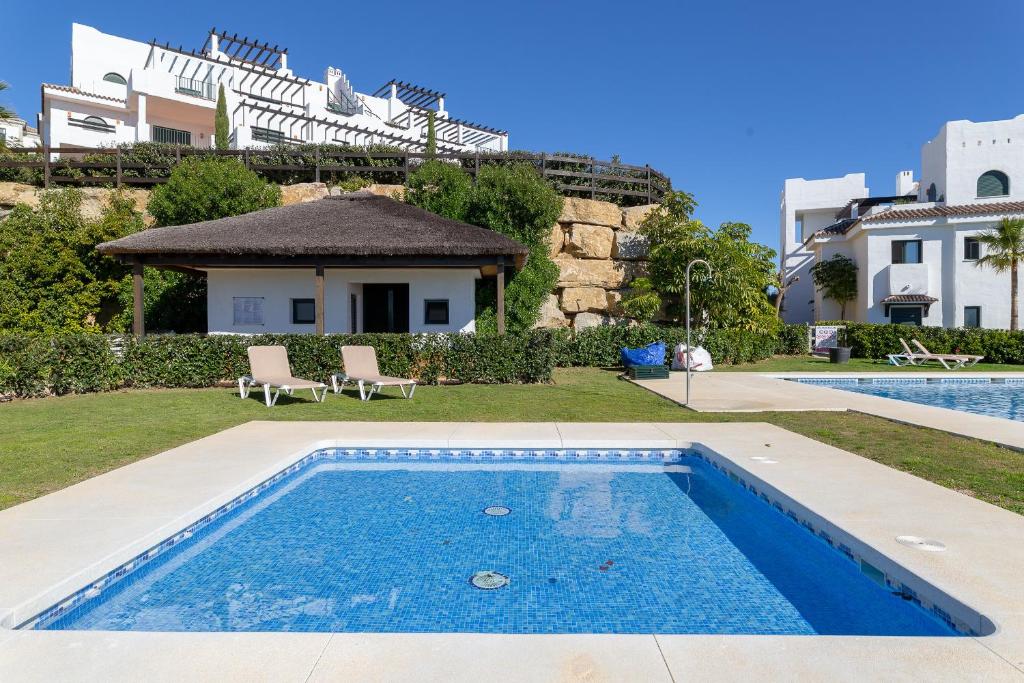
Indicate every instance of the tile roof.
{"type": "Point", "coordinates": [897, 214]}
{"type": "Point", "coordinates": [840, 227]}
{"type": "Point", "coordinates": [909, 299]}
{"type": "Point", "coordinates": [76, 91]}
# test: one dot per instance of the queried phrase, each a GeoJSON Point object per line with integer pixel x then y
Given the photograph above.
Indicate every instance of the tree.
{"type": "Point", "coordinates": [5, 113]}
{"type": "Point", "coordinates": [220, 120]}
{"type": "Point", "coordinates": [781, 285]}
{"type": "Point", "coordinates": [513, 200]}
{"type": "Point", "coordinates": [204, 189]}
{"type": "Point", "coordinates": [734, 295]}
{"type": "Point", "coordinates": [199, 189]}
{"type": "Point", "coordinates": [1004, 249]}
{"type": "Point", "coordinates": [643, 302]}
{"type": "Point", "coordinates": [51, 277]}
{"type": "Point", "coordinates": [431, 136]}
{"type": "Point", "coordinates": [837, 280]}
{"type": "Point", "coordinates": [444, 189]}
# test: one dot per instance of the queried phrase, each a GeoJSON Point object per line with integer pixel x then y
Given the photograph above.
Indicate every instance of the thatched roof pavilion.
{"type": "Point", "coordinates": [357, 230]}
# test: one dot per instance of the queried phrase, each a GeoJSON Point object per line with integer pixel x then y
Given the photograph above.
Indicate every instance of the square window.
{"type": "Point", "coordinates": [247, 310]}
{"type": "Point", "coordinates": [972, 249]}
{"type": "Point", "coordinates": [972, 316]}
{"type": "Point", "coordinates": [303, 311]}
{"type": "Point", "coordinates": [906, 251]}
{"type": "Point", "coordinates": [435, 312]}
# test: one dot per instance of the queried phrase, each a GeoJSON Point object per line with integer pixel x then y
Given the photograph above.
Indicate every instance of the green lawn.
{"type": "Point", "coordinates": [48, 444]}
{"type": "Point", "coordinates": [817, 364]}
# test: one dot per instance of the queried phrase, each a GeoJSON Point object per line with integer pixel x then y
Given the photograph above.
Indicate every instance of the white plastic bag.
{"type": "Point", "coordinates": [700, 359]}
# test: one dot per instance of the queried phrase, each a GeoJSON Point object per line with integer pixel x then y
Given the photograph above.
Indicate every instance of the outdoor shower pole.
{"type": "Point", "coordinates": [688, 349]}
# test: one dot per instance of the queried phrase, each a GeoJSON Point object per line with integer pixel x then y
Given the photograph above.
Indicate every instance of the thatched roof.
{"type": "Point", "coordinates": [353, 225]}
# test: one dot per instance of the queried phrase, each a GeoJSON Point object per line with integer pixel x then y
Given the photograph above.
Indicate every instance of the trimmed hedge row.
{"type": "Point", "coordinates": [77, 363]}
{"type": "Point", "coordinates": [871, 340]}
{"type": "Point", "coordinates": [599, 346]}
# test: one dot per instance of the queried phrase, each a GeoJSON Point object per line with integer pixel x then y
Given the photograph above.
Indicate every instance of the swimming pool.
{"type": "Point", "coordinates": [980, 395]}
{"type": "Point", "coordinates": [501, 542]}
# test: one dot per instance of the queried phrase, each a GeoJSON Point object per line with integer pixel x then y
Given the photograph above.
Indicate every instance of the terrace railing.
{"type": "Point", "coordinates": [196, 88]}
{"type": "Point", "coordinates": [117, 166]}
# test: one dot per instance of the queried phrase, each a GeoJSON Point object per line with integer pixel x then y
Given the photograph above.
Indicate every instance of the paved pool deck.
{"type": "Point", "coordinates": [754, 392]}
{"type": "Point", "coordinates": [56, 544]}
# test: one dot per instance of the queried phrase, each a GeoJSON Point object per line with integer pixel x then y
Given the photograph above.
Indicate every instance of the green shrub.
{"type": "Point", "coordinates": [203, 189]}
{"type": "Point", "coordinates": [38, 365]}
{"type": "Point", "coordinates": [870, 340]}
{"type": "Point", "coordinates": [441, 188]}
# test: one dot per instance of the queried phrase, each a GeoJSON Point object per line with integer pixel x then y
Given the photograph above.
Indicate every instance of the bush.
{"type": "Point", "coordinates": [599, 346]}
{"type": "Point", "coordinates": [441, 188]}
{"type": "Point", "coordinates": [871, 340]}
{"type": "Point", "coordinates": [203, 189]}
{"type": "Point", "coordinates": [39, 365]}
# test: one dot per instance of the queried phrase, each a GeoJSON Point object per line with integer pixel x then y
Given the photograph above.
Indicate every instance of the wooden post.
{"type": "Point", "coordinates": [648, 166]}
{"type": "Point", "coordinates": [46, 166]}
{"type": "Point", "coordinates": [501, 295]}
{"type": "Point", "coordinates": [319, 302]}
{"type": "Point", "coordinates": [138, 319]}
{"type": "Point", "coordinates": [593, 179]}
{"type": "Point", "coordinates": [118, 167]}
{"type": "Point", "coordinates": [317, 173]}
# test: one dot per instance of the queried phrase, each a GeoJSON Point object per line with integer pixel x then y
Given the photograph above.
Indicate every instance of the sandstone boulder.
{"type": "Point", "coordinates": [551, 315]}
{"type": "Point", "coordinates": [589, 241]}
{"type": "Point", "coordinates": [606, 274]}
{"type": "Point", "coordinates": [590, 211]}
{"type": "Point", "coordinates": [396, 192]}
{"type": "Point", "coordinates": [584, 320]}
{"type": "Point", "coordinates": [303, 192]}
{"type": "Point", "coordinates": [557, 240]}
{"type": "Point", "coordinates": [579, 299]}
{"type": "Point", "coordinates": [630, 246]}
{"type": "Point", "coordinates": [18, 193]}
{"type": "Point", "coordinates": [632, 216]}
{"type": "Point", "coordinates": [613, 302]}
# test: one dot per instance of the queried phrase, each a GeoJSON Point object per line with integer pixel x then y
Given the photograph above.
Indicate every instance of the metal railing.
{"type": "Point", "coordinates": [196, 88]}
{"type": "Point", "coordinates": [571, 175]}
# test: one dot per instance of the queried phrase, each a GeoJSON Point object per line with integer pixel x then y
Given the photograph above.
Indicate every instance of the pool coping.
{"type": "Point", "coordinates": [755, 392]}
{"type": "Point", "coordinates": [139, 504]}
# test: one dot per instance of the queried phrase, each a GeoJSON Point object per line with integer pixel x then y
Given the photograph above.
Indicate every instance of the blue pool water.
{"type": "Point", "coordinates": [612, 549]}
{"type": "Point", "coordinates": [980, 396]}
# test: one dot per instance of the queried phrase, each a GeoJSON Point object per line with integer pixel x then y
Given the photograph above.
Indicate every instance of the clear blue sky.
{"type": "Point", "coordinates": [729, 98]}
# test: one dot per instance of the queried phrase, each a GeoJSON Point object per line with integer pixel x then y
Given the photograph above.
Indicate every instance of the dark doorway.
{"type": "Point", "coordinates": [386, 308]}
{"type": "Point", "coordinates": [905, 315]}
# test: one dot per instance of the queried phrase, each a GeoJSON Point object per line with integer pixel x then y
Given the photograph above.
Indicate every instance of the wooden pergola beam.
{"type": "Point", "coordinates": [138, 311]}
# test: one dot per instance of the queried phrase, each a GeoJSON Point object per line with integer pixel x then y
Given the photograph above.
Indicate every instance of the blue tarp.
{"type": "Point", "coordinates": [652, 354]}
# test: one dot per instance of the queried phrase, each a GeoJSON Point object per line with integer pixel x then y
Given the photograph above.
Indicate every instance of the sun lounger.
{"type": "Point", "coordinates": [270, 368]}
{"type": "Point", "coordinates": [958, 360]}
{"type": "Point", "coordinates": [361, 369]}
{"type": "Point", "coordinates": [908, 357]}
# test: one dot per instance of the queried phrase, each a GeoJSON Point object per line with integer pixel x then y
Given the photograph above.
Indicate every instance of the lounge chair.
{"type": "Point", "coordinates": [269, 367]}
{"type": "Point", "coordinates": [908, 357]}
{"type": "Point", "coordinates": [361, 369]}
{"type": "Point", "coordinates": [959, 360]}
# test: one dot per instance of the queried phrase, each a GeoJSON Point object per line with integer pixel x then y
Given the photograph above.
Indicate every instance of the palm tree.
{"type": "Point", "coordinates": [1004, 249]}
{"type": "Point", "coordinates": [5, 113]}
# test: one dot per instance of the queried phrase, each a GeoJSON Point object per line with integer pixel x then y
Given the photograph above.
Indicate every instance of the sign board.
{"type": "Point", "coordinates": [826, 337]}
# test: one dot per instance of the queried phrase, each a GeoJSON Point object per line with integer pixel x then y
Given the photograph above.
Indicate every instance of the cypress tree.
{"type": "Point", "coordinates": [431, 137]}
{"type": "Point", "coordinates": [220, 120]}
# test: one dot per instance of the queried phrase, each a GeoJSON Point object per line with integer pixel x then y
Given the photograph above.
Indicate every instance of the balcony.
{"type": "Point", "coordinates": [193, 87]}
{"type": "Point", "coordinates": [909, 278]}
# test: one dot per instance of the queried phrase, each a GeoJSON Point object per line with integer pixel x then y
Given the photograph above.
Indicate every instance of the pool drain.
{"type": "Point", "coordinates": [488, 580]}
{"type": "Point", "coordinates": [496, 510]}
{"type": "Point", "coordinates": [919, 543]}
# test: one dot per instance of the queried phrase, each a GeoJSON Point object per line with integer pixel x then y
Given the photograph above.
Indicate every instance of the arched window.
{"type": "Point", "coordinates": [993, 184]}
{"type": "Point", "coordinates": [931, 193]}
{"type": "Point", "coordinates": [115, 78]}
{"type": "Point", "coordinates": [95, 120]}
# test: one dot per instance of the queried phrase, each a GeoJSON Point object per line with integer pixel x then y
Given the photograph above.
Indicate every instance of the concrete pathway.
{"type": "Point", "coordinates": [748, 392]}
{"type": "Point", "coordinates": [55, 544]}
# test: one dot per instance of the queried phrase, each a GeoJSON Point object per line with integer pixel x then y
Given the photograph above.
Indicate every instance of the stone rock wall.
{"type": "Point", "coordinates": [598, 252]}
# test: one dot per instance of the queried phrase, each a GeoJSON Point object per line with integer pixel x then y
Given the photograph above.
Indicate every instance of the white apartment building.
{"type": "Point", "coordinates": [126, 91]}
{"type": "Point", "coordinates": [14, 132]}
{"type": "Point", "coordinates": [916, 249]}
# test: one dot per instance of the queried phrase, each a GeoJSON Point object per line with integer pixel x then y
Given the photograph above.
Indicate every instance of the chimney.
{"type": "Point", "coordinates": [905, 183]}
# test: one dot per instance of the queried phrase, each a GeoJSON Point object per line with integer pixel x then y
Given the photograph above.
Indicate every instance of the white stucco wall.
{"type": "Point", "coordinates": [963, 150]}
{"type": "Point", "coordinates": [806, 206]}
{"type": "Point", "coordinates": [279, 286]}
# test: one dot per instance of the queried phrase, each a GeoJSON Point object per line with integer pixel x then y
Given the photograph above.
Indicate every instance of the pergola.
{"type": "Point", "coordinates": [357, 230]}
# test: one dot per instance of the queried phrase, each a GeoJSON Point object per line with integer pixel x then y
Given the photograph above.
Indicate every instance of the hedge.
{"type": "Point", "coordinates": [76, 363]}
{"type": "Point", "coordinates": [599, 346]}
{"type": "Point", "coordinates": [871, 340]}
